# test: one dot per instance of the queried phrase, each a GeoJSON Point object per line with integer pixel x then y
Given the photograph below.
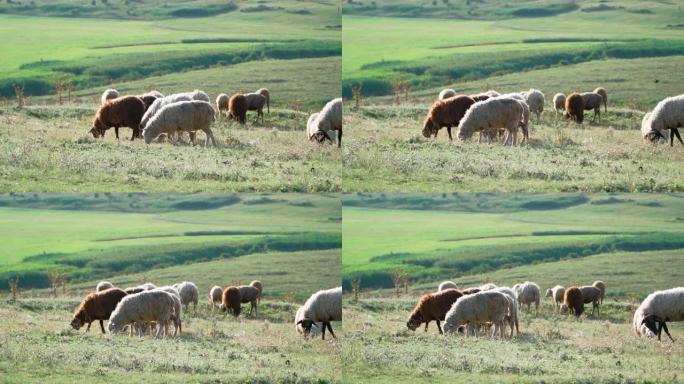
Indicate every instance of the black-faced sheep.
{"type": "Point", "coordinates": [432, 306]}
{"type": "Point", "coordinates": [446, 113]}
{"type": "Point", "coordinates": [267, 94]}
{"type": "Point", "coordinates": [602, 286]}
{"type": "Point", "coordinates": [604, 95]}
{"type": "Point", "coordinates": [668, 115]}
{"type": "Point", "coordinates": [231, 301]}
{"type": "Point", "coordinates": [144, 307]}
{"type": "Point", "coordinates": [446, 93]}
{"type": "Point", "coordinates": [574, 301]}
{"type": "Point", "coordinates": [126, 111]}
{"type": "Point", "coordinates": [107, 95]}
{"type": "Point", "coordinates": [446, 285]}
{"type": "Point", "coordinates": [650, 134]}
{"type": "Point", "coordinates": [574, 108]}
{"type": "Point", "coordinates": [314, 331]}
{"type": "Point", "coordinates": [237, 108]}
{"type": "Point", "coordinates": [324, 307]}
{"type": "Point", "coordinates": [327, 120]}
{"type": "Point", "coordinates": [256, 102]}
{"type": "Point", "coordinates": [558, 103]}
{"type": "Point", "coordinates": [189, 116]}
{"type": "Point", "coordinates": [656, 310]}
{"type": "Point", "coordinates": [482, 307]}
{"type": "Point", "coordinates": [592, 101]}
{"type": "Point", "coordinates": [97, 306]}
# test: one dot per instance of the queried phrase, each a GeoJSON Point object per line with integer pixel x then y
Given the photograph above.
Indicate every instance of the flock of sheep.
{"type": "Point", "coordinates": [490, 307]}
{"type": "Point", "coordinates": [145, 305]}
{"type": "Point", "coordinates": [495, 115]}
{"type": "Point", "coordinates": [152, 114]}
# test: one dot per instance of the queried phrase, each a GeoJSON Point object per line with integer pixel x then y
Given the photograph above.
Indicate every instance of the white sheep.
{"type": "Point", "coordinates": [222, 103]}
{"type": "Point", "coordinates": [669, 115]}
{"type": "Point", "coordinates": [527, 293]}
{"type": "Point", "coordinates": [182, 116]}
{"type": "Point", "coordinates": [299, 316]}
{"type": "Point", "coordinates": [556, 294]}
{"type": "Point", "coordinates": [170, 99]}
{"type": "Point", "coordinates": [512, 317]}
{"type": "Point", "coordinates": [323, 306]}
{"type": "Point", "coordinates": [314, 134]}
{"type": "Point", "coordinates": [199, 95]}
{"type": "Point", "coordinates": [328, 119]}
{"type": "Point", "coordinates": [487, 287]}
{"type": "Point", "coordinates": [215, 295]}
{"type": "Point", "coordinates": [446, 285]}
{"type": "Point", "coordinates": [108, 95]}
{"type": "Point", "coordinates": [482, 307]}
{"type": "Point", "coordinates": [177, 308]}
{"type": "Point", "coordinates": [535, 99]}
{"type": "Point", "coordinates": [494, 113]}
{"type": "Point", "coordinates": [446, 93]}
{"type": "Point", "coordinates": [189, 293]}
{"type": "Point", "coordinates": [249, 294]}
{"type": "Point", "coordinates": [651, 318]}
{"type": "Point", "coordinates": [558, 103]}
{"type": "Point", "coordinates": [144, 307]}
{"type": "Point", "coordinates": [256, 102]}
{"type": "Point", "coordinates": [102, 285]}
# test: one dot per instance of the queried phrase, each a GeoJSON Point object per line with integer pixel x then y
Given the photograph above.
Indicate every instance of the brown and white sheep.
{"type": "Point", "coordinates": [556, 294]}
{"type": "Point", "coordinates": [237, 108]}
{"type": "Point", "coordinates": [574, 108]}
{"type": "Point", "coordinates": [574, 300]}
{"type": "Point", "coordinates": [126, 111]}
{"type": "Point", "coordinates": [591, 294]}
{"type": "Point", "coordinates": [97, 306]}
{"type": "Point", "coordinates": [433, 306]}
{"type": "Point", "coordinates": [592, 101]}
{"type": "Point", "coordinates": [604, 95]}
{"type": "Point", "coordinates": [446, 113]}
{"type": "Point", "coordinates": [231, 301]}
{"type": "Point", "coordinates": [602, 286]}
{"type": "Point", "coordinates": [267, 94]}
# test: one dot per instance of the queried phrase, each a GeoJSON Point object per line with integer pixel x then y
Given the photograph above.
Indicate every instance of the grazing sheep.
{"type": "Point", "coordinates": [591, 294]}
{"type": "Point", "coordinates": [126, 111]}
{"type": "Point", "coordinates": [313, 132]}
{"type": "Point", "coordinates": [315, 329]}
{"type": "Point", "coordinates": [653, 135]}
{"type": "Point", "coordinates": [492, 113]}
{"type": "Point", "coordinates": [669, 115]}
{"type": "Point", "coordinates": [249, 294]}
{"type": "Point", "coordinates": [592, 101]}
{"type": "Point", "coordinates": [487, 287]}
{"type": "Point", "coordinates": [237, 108]}
{"type": "Point", "coordinates": [256, 102]}
{"type": "Point", "coordinates": [446, 93]}
{"type": "Point", "coordinates": [177, 309]}
{"type": "Point", "coordinates": [102, 285]}
{"type": "Point", "coordinates": [556, 294]}
{"type": "Point", "coordinates": [432, 306]}
{"type": "Point", "coordinates": [231, 301]}
{"type": "Point", "coordinates": [267, 94]}
{"type": "Point", "coordinates": [144, 307]}
{"type": "Point", "coordinates": [107, 95]}
{"type": "Point", "coordinates": [323, 306]}
{"type": "Point", "coordinates": [656, 310]}
{"type": "Point", "coordinates": [482, 307]}
{"type": "Point", "coordinates": [327, 120]}
{"type": "Point", "coordinates": [528, 293]}
{"type": "Point", "coordinates": [535, 100]}
{"type": "Point", "coordinates": [222, 103]}
{"type": "Point", "coordinates": [150, 97]}
{"type": "Point", "coordinates": [446, 285]}
{"type": "Point", "coordinates": [215, 295]}
{"type": "Point", "coordinates": [604, 95]}
{"type": "Point", "coordinates": [258, 285]}
{"type": "Point", "coordinates": [574, 107]}
{"type": "Point", "coordinates": [512, 316]}
{"type": "Point", "coordinates": [574, 301]}
{"type": "Point", "coordinates": [160, 103]}
{"type": "Point", "coordinates": [558, 103]}
{"type": "Point", "coordinates": [189, 293]}
{"type": "Point", "coordinates": [602, 286]}
{"type": "Point", "coordinates": [470, 291]}
{"type": "Point", "coordinates": [182, 116]}
{"type": "Point", "coordinates": [97, 306]}
{"type": "Point", "coordinates": [446, 113]}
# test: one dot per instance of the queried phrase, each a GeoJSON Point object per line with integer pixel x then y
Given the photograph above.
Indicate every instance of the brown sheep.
{"type": "Point", "coordinates": [148, 99]}
{"type": "Point", "coordinates": [231, 300]}
{"type": "Point", "coordinates": [446, 113]}
{"type": "Point", "coordinates": [97, 306]}
{"type": "Point", "coordinates": [132, 290]}
{"type": "Point", "coordinates": [470, 291]}
{"type": "Point", "coordinates": [574, 107]}
{"type": "Point", "coordinates": [265, 93]}
{"type": "Point", "coordinates": [602, 286]}
{"type": "Point", "coordinates": [237, 108]}
{"type": "Point", "coordinates": [126, 111]}
{"type": "Point", "coordinates": [592, 101]}
{"type": "Point", "coordinates": [480, 97]}
{"type": "Point", "coordinates": [574, 300]}
{"type": "Point", "coordinates": [433, 306]}
{"type": "Point", "coordinates": [592, 295]}
{"type": "Point", "coordinates": [604, 94]}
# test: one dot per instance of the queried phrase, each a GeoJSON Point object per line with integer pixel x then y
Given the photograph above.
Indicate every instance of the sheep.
{"type": "Point", "coordinates": [556, 294]}
{"type": "Point", "coordinates": [177, 309]}
{"type": "Point", "coordinates": [602, 286]}
{"type": "Point", "coordinates": [657, 309]}
{"type": "Point", "coordinates": [652, 135]}
{"type": "Point", "coordinates": [237, 108]}
{"type": "Point", "coordinates": [190, 116]}
{"type": "Point", "coordinates": [491, 93]}
{"type": "Point", "coordinates": [470, 291]}
{"type": "Point", "coordinates": [97, 306]}
{"type": "Point", "coordinates": [535, 100]}
{"type": "Point", "coordinates": [574, 301]}
{"type": "Point", "coordinates": [446, 285]}
{"type": "Point", "coordinates": [528, 293]}
{"type": "Point", "coordinates": [199, 95]}
{"type": "Point", "coordinates": [668, 115]}
{"type": "Point", "coordinates": [574, 108]}
{"type": "Point", "coordinates": [323, 306]}
{"type": "Point", "coordinates": [482, 307]}
{"type": "Point", "coordinates": [446, 93]}
{"type": "Point", "coordinates": [313, 132]}
{"type": "Point", "coordinates": [249, 294]}
{"type": "Point", "coordinates": [256, 102]}
{"type": "Point", "coordinates": [160, 103]}
{"type": "Point", "coordinates": [132, 290]}
{"type": "Point", "coordinates": [591, 294]}
{"type": "Point", "coordinates": [150, 97]}
{"type": "Point", "coordinates": [144, 307]}
{"type": "Point", "coordinates": [126, 111]}
{"type": "Point", "coordinates": [487, 287]}
{"type": "Point", "coordinates": [315, 329]}
{"type": "Point", "coordinates": [215, 295]}
{"type": "Point", "coordinates": [433, 306]}
{"type": "Point", "coordinates": [446, 113]}
{"type": "Point", "coordinates": [189, 293]}
{"type": "Point", "coordinates": [267, 94]}
{"type": "Point", "coordinates": [558, 103]}
{"type": "Point", "coordinates": [604, 95]}
{"type": "Point", "coordinates": [512, 316]}
{"type": "Point", "coordinates": [102, 285]}
{"type": "Point", "coordinates": [327, 120]}
{"type": "Point", "coordinates": [221, 104]}
{"type": "Point", "coordinates": [492, 113]}
{"type": "Point", "coordinates": [258, 285]}
{"type": "Point", "coordinates": [107, 95]}
{"type": "Point", "coordinates": [592, 101]}
{"type": "Point", "coordinates": [231, 301]}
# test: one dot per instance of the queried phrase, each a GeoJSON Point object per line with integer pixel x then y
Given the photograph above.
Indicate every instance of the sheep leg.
{"type": "Point", "coordinates": [676, 133]}
{"type": "Point", "coordinates": [330, 329]}
{"type": "Point", "coordinates": [339, 138]}
{"type": "Point", "coordinates": [88, 329]}
{"type": "Point", "coordinates": [323, 330]}
{"type": "Point", "coordinates": [449, 132]}
{"type": "Point", "coordinates": [426, 325]}
{"type": "Point", "coordinates": [667, 332]}
{"type": "Point", "coordinates": [102, 326]}
{"type": "Point", "coordinates": [116, 130]}
{"type": "Point", "coordinates": [440, 328]}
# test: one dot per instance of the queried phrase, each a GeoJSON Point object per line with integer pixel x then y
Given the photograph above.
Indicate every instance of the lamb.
{"type": "Point", "coordinates": [602, 286]}
{"type": "Point", "coordinates": [97, 306]}
{"type": "Point", "coordinates": [492, 113]}
{"type": "Point", "coordinates": [249, 294]}
{"type": "Point", "coordinates": [215, 295]}
{"type": "Point", "coordinates": [591, 294]}
{"type": "Point", "coordinates": [313, 332]}
{"type": "Point", "coordinates": [535, 100]}
{"type": "Point", "coordinates": [604, 95]}
{"type": "Point", "coordinates": [668, 115]}
{"type": "Point", "coordinates": [482, 307]}
{"type": "Point", "coordinates": [574, 108]}
{"type": "Point", "coordinates": [574, 300]}
{"type": "Point", "coordinates": [446, 93]}
{"type": "Point", "coordinates": [267, 94]}
{"type": "Point", "coordinates": [592, 101]}
{"type": "Point", "coordinates": [221, 103]}
{"type": "Point", "coordinates": [446, 285]}
{"type": "Point", "coordinates": [556, 294]}
{"type": "Point", "coordinates": [323, 306]}
{"type": "Point", "coordinates": [433, 306]}
{"type": "Point", "coordinates": [512, 317]}
{"type": "Point", "coordinates": [102, 285]}
{"type": "Point", "coordinates": [144, 307]}
{"type": "Point", "coordinates": [107, 95]}
{"type": "Point", "coordinates": [446, 113]}
{"type": "Point", "coordinates": [256, 102]}
{"type": "Point", "coordinates": [237, 108]}
{"type": "Point", "coordinates": [126, 111]}
{"type": "Point", "coordinates": [328, 119]}
{"type": "Point", "coordinates": [189, 293]}
{"type": "Point", "coordinates": [558, 103]}
{"type": "Point", "coordinates": [182, 116]}
{"type": "Point", "coordinates": [528, 293]}
{"type": "Point", "coordinates": [258, 285]}
{"type": "Point", "coordinates": [657, 309]}
{"type": "Point", "coordinates": [231, 301]}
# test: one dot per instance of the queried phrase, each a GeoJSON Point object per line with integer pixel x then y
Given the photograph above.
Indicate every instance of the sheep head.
{"type": "Point", "coordinates": [651, 322]}
{"type": "Point", "coordinates": [429, 127]}
{"type": "Point", "coordinates": [320, 137]}
{"type": "Point", "coordinates": [307, 324]}
{"type": "Point", "coordinates": [414, 322]}
{"type": "Point", "coordinates": [78, 321]}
